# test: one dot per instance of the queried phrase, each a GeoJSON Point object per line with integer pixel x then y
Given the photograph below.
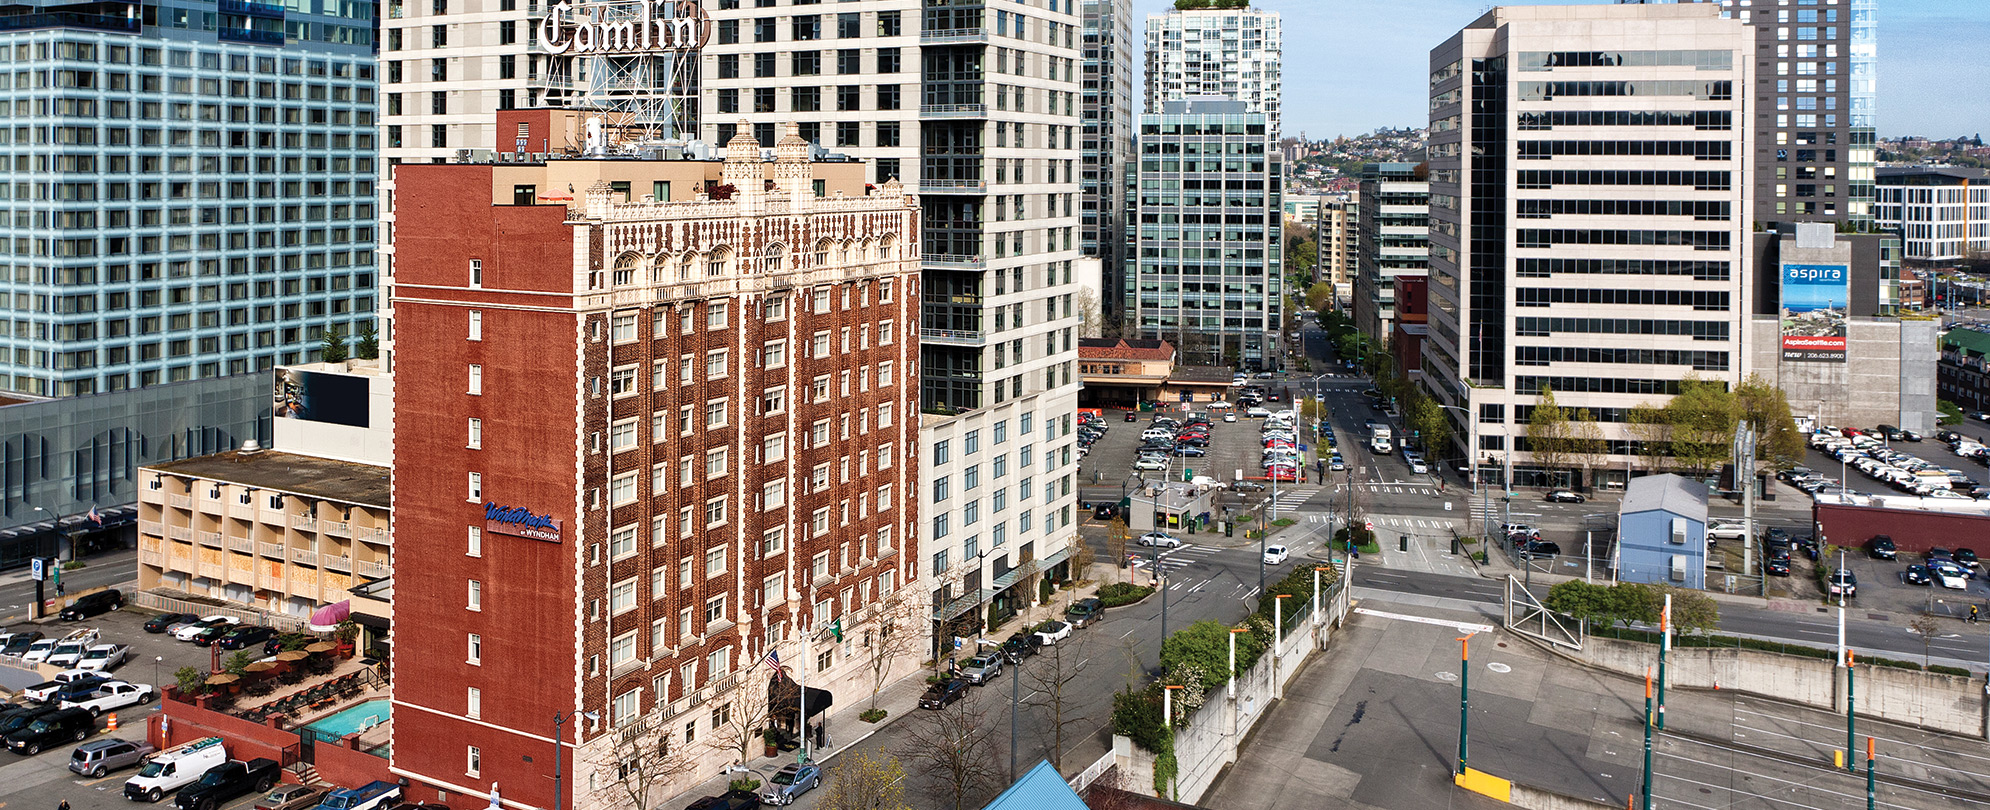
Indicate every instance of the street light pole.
{"type": "Point", "coordinates": [559, 748]}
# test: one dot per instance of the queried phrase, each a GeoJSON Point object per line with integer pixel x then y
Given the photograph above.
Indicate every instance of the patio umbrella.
{"type": "Point", "coordinates": [292, 655]}
{"type": "Point", "coordinates": [260, 666]}
{"type": "Point", "coordinates": [321, 647]}
{"type": "Point", "coordinates": [223, 678]}
{"type": "Point", "coordinates": [327, 618]}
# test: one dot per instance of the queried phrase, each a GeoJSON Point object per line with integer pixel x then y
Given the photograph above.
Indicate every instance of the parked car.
{"type": "Point", "coordinates": [93, 604]}
{"type": "Point", "coordinates": [42, 692]}
{"type": "Point", "coordinates": [1160, 540]}
{"type": "Point", "coordinates": [244, 637]}
{"type": "Point", "coordinates": [1563, 496]}
{"type": "Point", "coordinates": [1053, 631]}
{"type": "Point", "coordinates": [112, 696]}
{"type": "Point", "coordinates": [1843, 583]}
{"type": "Point", "coordinates": [40, 650]}
{"type": "Point", "coordinates": [1967, 557]}
{"type": "Point", "coordinates": [745, 799]}
{"type": "Point", "coordinates": [1917, 574]}
{"type": "Point", "coordinates": [1275, 554]}
{"type": "Point", "coordinates": [1246, 486]}
{"type": "Point", "coordinates": [18, 643]}
{"type": "Point", "coordinates": [76, 690]}
{"type": "Point", "coordinates": [1084, 611]}
{"type": "Point", "coordinates": [982, 668]}
{"type": "Point", "coordinates": [188, 632]}
{"type": "Point", "coordinates": [793, 780]}
{"type": "Point", "coordinates": [1020, 646]}
{"type": "Point", "coordinates": [222, 783]}
{"type": "Point", "coordinates": [1540, 549]}
{"type": "Point", "coordinates": [213, 634]}
{"type": "Point", "coordinates": [1336, 463]}
{"type": "Point", "coordinates": [370, 796]}
{"type": "Point", "coordinates": [1776, 568]}
{"type": "Point", "coordinates": [292, 797]}
{"type": "Point", "coordinates": [103, 657]}
{"type": "Point", "coordinates": [1882, 548]}
{"type": "Point", "coordinates": [1150, 463]}
{"type": "Point", "coordinates": [68, 654]}
{"type": "Point", "coordinates": [174, 768]}
{"type": "Point", "coordinates": [99, 757]}
{"type": "Point", "coordinates": [54, 728]}
{"type": "Point", "coordinates": [1939, 554]}
{"type": "Point", "coordinates": [943, 694]}
{"type": "Point", "coordinates": [1282, 474]}
{"type": "Point", "coordinates": [1950, 575]}
{"type": "Point", "coordinates": [16, 717]}
{"type": "Point", "coordinates": [1187, 450]}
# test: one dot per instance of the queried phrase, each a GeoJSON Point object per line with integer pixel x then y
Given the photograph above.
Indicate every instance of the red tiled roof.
{"type": "Point", "coordinates": [1122, 349]}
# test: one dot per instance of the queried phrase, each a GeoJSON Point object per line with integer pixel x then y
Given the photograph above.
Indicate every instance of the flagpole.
{"type": "Point", "coordinates": [801, 690]}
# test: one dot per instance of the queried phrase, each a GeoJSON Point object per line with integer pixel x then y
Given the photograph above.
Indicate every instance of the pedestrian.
{"type": "Point", "coordinates": [62, 805]}
{"type": "Point", "coordinates": [1972, 614]}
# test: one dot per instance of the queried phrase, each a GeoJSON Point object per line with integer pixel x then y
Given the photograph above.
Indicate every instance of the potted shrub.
{"type": "Point", "coordinates": [773, 745]}
{"type": "Point", "coordinates": [345, 636]}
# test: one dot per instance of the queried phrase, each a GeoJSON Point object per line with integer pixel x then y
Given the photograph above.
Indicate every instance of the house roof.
{"type": "Point", "coordinates": [1040, 789]}
{"type": "Point", "coordinates": [1123, 349]}
{"type": "Point", "coordinates": [1679, 495]}
{"type": "Point", "coordinates": [1968, 341]}
{"type": "Point", "coordinates": [1203, 375]}
{"type": "Point", "coordinates": [316, 477]}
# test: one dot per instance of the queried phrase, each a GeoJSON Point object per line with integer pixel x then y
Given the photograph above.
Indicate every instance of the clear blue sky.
{"type": "Point", "coordinates": [1354, 65]}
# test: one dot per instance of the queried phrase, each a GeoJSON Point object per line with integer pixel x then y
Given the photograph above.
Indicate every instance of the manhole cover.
{"type": "Point", "coordinates": [1447, 677]}
{"type": "Point", "coordinates": [1499, 668]}
{"type": "Point", "coordinates": [1502, 644]}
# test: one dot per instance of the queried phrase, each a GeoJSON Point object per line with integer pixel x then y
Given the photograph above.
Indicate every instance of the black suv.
{"type": "Point", "coordinates": [1882, 548]}
{"type": "Point", "coordinates": [91, 604]}
{"type": "Point", "coordinates": [1020, 646]}
{"type": "Point", "coordinates": [1084, 612]}
{"type": "Point", "coordinates": [56, 727]}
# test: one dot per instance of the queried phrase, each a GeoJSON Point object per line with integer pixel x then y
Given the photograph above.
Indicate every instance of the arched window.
{"type": "Point", "coordinates": [626, 266]}
{"type": "Point", "coordinates": [822, 253]}
{"type": "Point", "coordinates": [885, 245]}
{"type": "Point", "coordinates": [685, 263]}
{"type": "Point", "coordinates": [717, 261]}
{"type": "Point", "coordinates": [773, 255]}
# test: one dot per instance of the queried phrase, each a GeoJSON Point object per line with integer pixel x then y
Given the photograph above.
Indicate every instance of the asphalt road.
{"type": "Point", "coordinates": [17, 589]}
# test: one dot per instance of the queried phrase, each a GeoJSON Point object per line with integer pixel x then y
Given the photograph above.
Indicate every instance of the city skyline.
{"type": "Point", "coordinates": [1377, 50]}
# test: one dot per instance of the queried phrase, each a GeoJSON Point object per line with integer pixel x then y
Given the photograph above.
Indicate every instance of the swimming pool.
{"type": "Point", "coordinates": [354, 719]}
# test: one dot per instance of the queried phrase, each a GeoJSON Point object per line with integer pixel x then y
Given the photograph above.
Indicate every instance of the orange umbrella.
{"type": "Point", "coordinates": [260, 666]}
{"type": "Point", "coordinates": [292, 655]}
{"type": "Point", "coordinates": [222, 679]}
{"type": "Point", "coordinates": [321, 647]}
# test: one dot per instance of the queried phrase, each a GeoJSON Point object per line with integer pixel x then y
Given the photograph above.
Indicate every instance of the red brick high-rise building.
{"type": "Point", "coordinates": [645, 435]}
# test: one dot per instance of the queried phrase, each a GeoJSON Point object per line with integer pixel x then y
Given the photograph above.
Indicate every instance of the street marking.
{"type": "Point", "coordinates": [1463, 627]}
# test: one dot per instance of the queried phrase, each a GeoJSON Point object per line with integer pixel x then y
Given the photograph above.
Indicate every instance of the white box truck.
{"type": "Point", "coordinates": [1381, 440]}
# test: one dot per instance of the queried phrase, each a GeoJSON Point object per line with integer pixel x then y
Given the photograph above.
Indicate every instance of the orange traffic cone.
{"type": "Point", "coordinates": [112, 725]}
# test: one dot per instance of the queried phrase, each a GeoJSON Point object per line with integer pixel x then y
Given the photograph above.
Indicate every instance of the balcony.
{"type": "Point", "coordinates": [251, 9]}
{"type": "Point", "coordinates": [151, 528]}
{"type": "Point", "coordinates": [242, 544]}
{"type": "Point", "coordinates": [335, 528]}
{"type": "Point", "coordinates": [271, 550]}
{"type": "Point", "coordinates": [273, 517]}
{"type": "Point", "coordinates": [953, 337]}
{"type": "Point", "coordinates": [268, 581]}
{"type": "Point", "coordinates": [304, 523]}
{"type": "Point", "coordinates": [953, 111]}
{"type": "Point", "coordinates": [302, 557]}
{"type": "Point", "coordinates": [180, 501]}
{"type": "Point", "coordinates": [953, 36]}
{"type": "Point", "coordinates": [151, 557]}
{"type": "Point", "coordinates": [938, 186]}
{"type": "Point", "coordinates": [374, 569]}
{"type": "Point", "coordinates": [210, 539]}
{"type": "Point", "coordinates": [376, 535]}
{"type": "Point", "coordinates": [243, 511]}
{"type": "Point", "coordinates": [150, 543]}
{"type": "Point", "coordinates": [340, 564]}
{"type": "Point", "coordinates": [210, 570]}
{"type": "Point", "coordinates": [180, 533]}
{"type": "Point", "coordinates": [953, 261]}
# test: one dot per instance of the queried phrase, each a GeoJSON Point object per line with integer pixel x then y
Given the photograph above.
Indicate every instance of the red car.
{"type": "Point", "coordinates": [1282, 473]}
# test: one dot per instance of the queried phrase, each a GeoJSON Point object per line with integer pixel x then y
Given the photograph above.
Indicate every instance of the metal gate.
{"type": "Point", "coordinates": [1527, 616]}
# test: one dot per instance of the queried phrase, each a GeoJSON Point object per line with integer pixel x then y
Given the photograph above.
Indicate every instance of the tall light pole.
{"type": "Point", "coordinates": [1464, 698]}
{"type": "Point", "coordinates": [559, 747]}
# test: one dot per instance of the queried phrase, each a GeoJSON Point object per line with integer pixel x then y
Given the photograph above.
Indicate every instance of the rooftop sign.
{"type": "Point", "coordinates": [624, 28]}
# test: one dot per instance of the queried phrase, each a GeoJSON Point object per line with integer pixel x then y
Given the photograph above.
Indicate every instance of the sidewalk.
{"type": "Point", "coordinates": [900, 699]}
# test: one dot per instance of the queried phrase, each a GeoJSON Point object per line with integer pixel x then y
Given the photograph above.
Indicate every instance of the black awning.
{"type": "Point", "coordinates": [783, 699]}
{"type": "Point", "coordinates": [374, 622]}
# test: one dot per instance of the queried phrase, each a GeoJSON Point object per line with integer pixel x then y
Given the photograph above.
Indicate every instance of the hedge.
{"type": "Point", "coordinates": [1120, 594]}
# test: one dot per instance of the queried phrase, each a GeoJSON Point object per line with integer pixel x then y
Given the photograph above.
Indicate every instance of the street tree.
{"type": "Point", "coordinates": [1926, 628]}
{"type": "Point", "coordinates": [1319, 297]}
{"type": "Point", "coordinates": [1118, 538]}
{"type": "Point", "coordinates": [1767, 410]}
{"type": "Point", "coordinates": [1547, 432]}
{"type": "Point", "coordinates": [1587, 449]}
{"type": "Point", "coordinates": [860, 781]}
{"type": "Point", "coordinates": [646, 766]}
{"type": "Point", "coordinates": [1050, 680]}
{"type": "Point", "coordinates": [1653, 434]}
{"type": "Point", "coordinates": [1081, 559]}
{"type": "Point", "coordinates": [952, 752]}
{"type": "Point", "coordinates": [1426, 417]}
{"type": "Point", "coordinates": [1702, 418]}
{"type": "Point", "coordinates": [891, 639]}
{"type": "Point", "coordinates": [739, 725]}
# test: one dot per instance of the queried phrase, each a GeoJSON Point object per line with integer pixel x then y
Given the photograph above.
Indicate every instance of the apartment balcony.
{"type": "Point", "coordinates": [242, 511]}
{"type": "Point", "coordinates": [150, 543]}
{"type": "Point", "coordinates": [151, 557]}
{"type": "Point", "coordinates": [181, 557]}
{"type": "Point", "coordinates": [238, 572]}
{"type": "Point", "coordinates": [273, 517]}
{"type": "Point", "coordinates": [210, 539]}
{"type": "Point", "coordinates": [180, 533]}
{"type": "Point", "coordinates": [937, 186]}
{"type": "Point", "coordinates": [340, 564]}
{"type": "Point", "coordinates": [268, 581]}
{"type": "Point", "coordinates": [271, 550]}
{"type": "Point", "coordinates": [953, 36]}
{"type": "Point", "coordinates": [953, 111]}
{"type": "Point", "coordinates": [302, 557]}
{"type": "Point", "coordinates": [374, 569]}
{"type": "Point", "coordinates": [151, 528]}
{"type": "Point", "coordinates": [210, 570]}
{"type": "Point", "coordinates": [953, 261]}
{"type": "Point", "coordinates": [304, 523]}
{"type": "Point", "coordinates": [335, 528]}
{"type": "Point", "coordinates": [180, 501]}
{"type": "Point", "coordinates": [378, 535]}
{"type": "Point", "coordinates": [242, 544]}
{"type": "Point", "coordinates": [953, 337]}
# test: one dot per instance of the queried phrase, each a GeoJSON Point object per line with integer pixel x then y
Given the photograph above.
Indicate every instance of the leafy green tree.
{"type": "Point", "coordinates": [1205, 647]}
{"type": "Point", "coordinates": [1583, 601]}
{"type": "Point", "coordinates": [1693, 612]}
{"type": "Point", "coordinates": [1701, 419]}
{"type": "Point", "coordinates": [368, 345]}
{"type": "Point", "coordinates": [1951, 413]}
{"type": "Point", "coordinates": [1767, 410]}
{"type": "Point", "coordinates": [1547, 432]}
{"type": "Point", "coordinates": [1426, 417]}
{"type": "Point", "coordinates": [1320, 297]}
{"type": "Point", "coordinates": [334, 350]}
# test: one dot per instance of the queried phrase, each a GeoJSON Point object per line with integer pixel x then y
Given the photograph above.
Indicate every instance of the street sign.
{"type": "Point", "coordinates": [38, 569]}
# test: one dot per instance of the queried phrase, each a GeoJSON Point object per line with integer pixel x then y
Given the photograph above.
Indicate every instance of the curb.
{"type": "Point", "coordinates": [1794, 759]}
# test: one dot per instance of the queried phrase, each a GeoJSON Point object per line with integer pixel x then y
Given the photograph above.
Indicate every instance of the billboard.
{"type": "Point", "coordinates": [338, 399]}
{"type": "Point", "coordinates": [1815, 301]}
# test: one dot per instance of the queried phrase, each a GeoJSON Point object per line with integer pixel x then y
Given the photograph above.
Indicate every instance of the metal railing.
{"type": "Point", "coordinates": [943, 36]}
{"type": "Point", "coordinates": [953, 336]}
{"type": "Point", "coordinates": [302, 557]}
{"type": "Point", "coordinates": [270, 550]}
{"type": "Point", "coordinates": [953, 110]}
{"type": "Point", "coordinates": [210, 539]}
{"type": "Point", "coordinates": [242, 544]}
{"type": "Point", "coordinates": [168, 604]}
{"type": "Point", "coordinates": [335, 528]}
{"type": "Point", "coordinates": [342, 564]}
{"type": "Point", "coordinates": [305, 523]}
{"type": "Point", "coordinates": [180, 533]}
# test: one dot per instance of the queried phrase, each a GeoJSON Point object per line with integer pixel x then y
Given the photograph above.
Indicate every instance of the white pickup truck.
{"type": "Point", "coordinates": [103, 657]}
{"type": "Point", "coordinates": [112, 696]}
{"type": "Point", "coordinates": [41, 692]}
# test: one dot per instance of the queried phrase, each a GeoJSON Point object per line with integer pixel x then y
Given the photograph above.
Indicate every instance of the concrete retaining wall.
{"type": "Point", "coordinates": [1537, 799]}
{"type": "Point", "coordinates": [1949, 703]}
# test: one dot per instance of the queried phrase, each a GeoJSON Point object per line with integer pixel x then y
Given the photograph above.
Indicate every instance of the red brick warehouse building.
{"type": "Point", "coordinates": [643, 436]}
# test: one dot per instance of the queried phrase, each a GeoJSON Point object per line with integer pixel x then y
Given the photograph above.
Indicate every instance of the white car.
{"type": "Point", "coordinates": [1052, 632]}
{"type": "Point", "coordinates": [1150, 463]}
{"type": "Point", "coordinates": [103, 657]}
{"type": "Point", "coordinates": [1273, 555]}
{"type": "Point", "coordinates": [1230, 417]}
{"type": "Point", "coordinates": [1160, 539]}
{"type": "Point", "coordinates": [188, 632]}
{"type": "Point", "coordinates": [1951, 576]}
{"type": "Point", "coordinates": [112, 696]}
{"type": "Point", "coordinates": [1418, 467]}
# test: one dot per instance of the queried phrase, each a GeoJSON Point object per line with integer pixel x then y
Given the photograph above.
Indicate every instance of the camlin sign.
{"type": "Point", "coordinates": [622, 28]}
{"type": "Point", "coordinates": [521, 522]}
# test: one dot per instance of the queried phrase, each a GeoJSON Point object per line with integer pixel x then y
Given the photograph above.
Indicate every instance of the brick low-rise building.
{"type": "Point", "coordinates": [646, 435]}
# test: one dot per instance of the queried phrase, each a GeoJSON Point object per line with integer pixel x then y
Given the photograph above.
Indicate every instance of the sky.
{"type": "Point", "coordinates": [1352, 66]}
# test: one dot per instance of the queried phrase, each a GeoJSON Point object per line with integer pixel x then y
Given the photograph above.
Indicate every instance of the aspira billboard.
{"type": "Point", "coordinates": [645, 26]}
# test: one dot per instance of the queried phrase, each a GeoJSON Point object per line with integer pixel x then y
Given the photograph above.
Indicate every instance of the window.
{"type": "Point", "coordinates": [715, 609]}
{"type": "Point", "coordinates": [473, 760]}
{"type": "Point", "coordinates": [884, 376]}
{"type": "Point", "coordinates": [776, 308]}
{"type": "Point", "coordinates": [622, 650]}
{"type": "Point", "coordinates": [818, 522]}
{"type": "Point", "coordinates": [775, 354]}
{"type": "Point", "coordinates": [622, 328]}
{"type": "Point", "coordinates": [715, 512]}
{"type": "Point", "coordinates": [715, 315]}
{"type": "Point", "coordinates": [941, 451]}
{"type": "Point", "coordinates": [622, 489]}
{"type": "Point", "coordinates": [628, 708]}
{"type": "Point", "coordinates": [476, 651]}
{"type": "Point", "coordinates": [819, 389]}
{"type": "Point", "coordinates": [622, 542]}
{"type": "Point", "coordinates": [715, 463]}
{"type": "Point", "coordinates": [715, 413]}
{"type": "Point", "coordinates": [715, 364]}
{"type": "Point", "coordinates": [622, 596]}
{"type": "Point", "coordinates": [621, 435]}
{"type": "Point", "coordinates": [774, 541]}
{"type": "Point", "coordinates": [476, 378]}
{"type": "Point", "coordinates": [476, 546]}
{"type": "Point", "coordinates": [476, 324]}
{"type": "Point", "coordinates": [773, 494]}
{"type": "Point", "coordinates": [773, 448]}
{"type": "Point", "coordinates": [476, 433]}
{"type": "Point", "coordinates": [622, 381]}
{"type": "Point", "coordinates": [819, 477]}
{"type": "Point", "coordinates": [715, 561]}
{"type": "Point", "coordinates": [884, 456]}
{"type": "Point", "coordinates": [720, 661]}
{"type": "Point", "coordinates": [476, 487]}
{"type": "Point", "coordinates": [818, 566]}
{"type": "Point", "coordinates": [476, 595]}
{"type": "Point", "coordinates": [819, 301]}
{"type": "Point", "coordinates": [819, 345]}
{"type": "Point", "coordinates": [941, 489]}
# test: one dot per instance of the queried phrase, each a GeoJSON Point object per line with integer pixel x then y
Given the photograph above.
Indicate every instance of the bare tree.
{"type": "Point", "coordinates": [741, 723]}
{"type": "Point", "coordinates": [1048, 680]}
{"type": "Point", "coordinates": [1587, 448]}
{"type": "Point", "coordinates": [1926, 627]}
{"type": "Point", "coordinates": [1547, 433]}
{"type": "Point", "coordinates": [1651, 429]}
{"type": "Point", "coordinates": [1350, 505]}
{"type": "Point", "coordinates": [892, 639]}
{"type": "Point", "coordinates": [645, 765]}
{"type": "Point", "coordinates": [1089, 321]}
{"type": "Point", "coordinates": [862, 782]}
{"type": "Point", "coordinates": [1081, 559]}
{"type": "Point", "coordinates": [952, 749]}
{"type": "Point", "coordinates": [1117, 540]}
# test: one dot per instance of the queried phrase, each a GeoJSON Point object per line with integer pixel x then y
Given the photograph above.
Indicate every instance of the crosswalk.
{"type": "Point", "coordinates": [1291, 498]}
{"type": "Point", "coordinates": [1171, 560]}
{"type": "Point", "coordinates": [1400, 522]}
{"type": "Point", "coordinates": [1397, 488]}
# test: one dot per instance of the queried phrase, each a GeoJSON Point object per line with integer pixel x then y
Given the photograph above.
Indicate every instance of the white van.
{"type": "Point", "coordinates": [174, 768]}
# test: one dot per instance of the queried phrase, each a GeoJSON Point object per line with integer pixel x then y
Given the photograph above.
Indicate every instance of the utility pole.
{"type": "Point", "coordinates": [1851, 719]}
{"type": "Point", "coordinates": [1664, 646]}
{"type": "Point", "coordinates": [1744, 437]}
{"type": "Point", "coordinates": [1871, 796]}
{"type": "Point", "coordinates": [1645, 785]}
{"type": "Point", "coordinates": [1464, 698]}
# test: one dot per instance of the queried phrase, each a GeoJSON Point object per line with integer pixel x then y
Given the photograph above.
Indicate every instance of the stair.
{"type": "Point", "coordinates": [307, 774]}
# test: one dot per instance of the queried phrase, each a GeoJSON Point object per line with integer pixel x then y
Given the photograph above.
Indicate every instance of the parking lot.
{"type": "Point", "coordinates": [1233, 446]}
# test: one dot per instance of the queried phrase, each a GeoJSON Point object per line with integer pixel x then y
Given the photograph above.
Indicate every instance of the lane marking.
{"type": "Point", "coordinates": [1463, 627]}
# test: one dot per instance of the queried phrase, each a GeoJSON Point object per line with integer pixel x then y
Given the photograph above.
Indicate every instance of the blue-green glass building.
{"type": "Point", "coordinates": [188, 188]}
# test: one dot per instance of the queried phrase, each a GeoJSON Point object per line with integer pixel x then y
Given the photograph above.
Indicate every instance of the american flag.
{"type": "Point", "coordinates": [773, 659]}
{"type": "Point", "coordinates": [95, 517]}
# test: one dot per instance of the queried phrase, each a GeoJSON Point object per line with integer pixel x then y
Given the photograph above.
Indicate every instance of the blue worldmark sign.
{"type": "Point", "coordinates": [518, 521]}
